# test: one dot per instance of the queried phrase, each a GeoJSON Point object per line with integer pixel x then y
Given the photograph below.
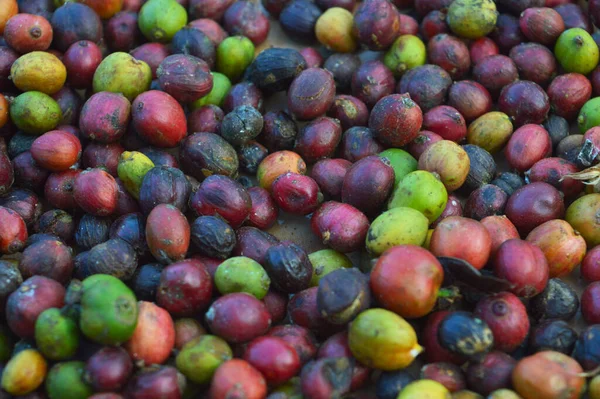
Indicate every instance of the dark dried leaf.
{"type": "Point", "coordinates": [460, 271]}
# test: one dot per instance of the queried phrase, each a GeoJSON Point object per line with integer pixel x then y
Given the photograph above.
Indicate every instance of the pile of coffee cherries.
{"type": "Point", "coordinates": [442, 154]}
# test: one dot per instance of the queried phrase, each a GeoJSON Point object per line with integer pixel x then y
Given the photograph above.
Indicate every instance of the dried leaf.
{"type": "Point", "coordinates": [588, 153]}
{"type": "Point", "coordinates": [589, 176]}
{"type": "Point", "coordinates": [458, 270]}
